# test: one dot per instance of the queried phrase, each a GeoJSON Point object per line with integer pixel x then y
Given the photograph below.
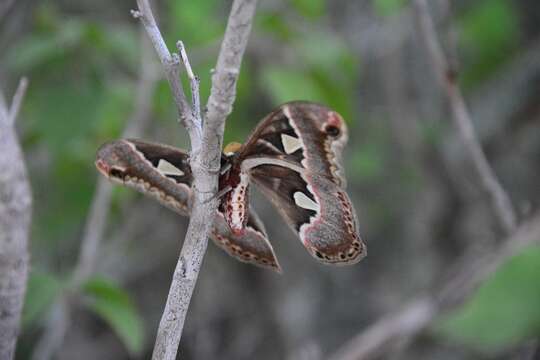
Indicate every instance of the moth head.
{"type": "Point", "coordinates": [110, 161]}
{"type": "Point", "coordinates": [232, 148]}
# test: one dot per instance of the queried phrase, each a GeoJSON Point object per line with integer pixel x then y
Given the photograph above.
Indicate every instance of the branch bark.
{"type": "Point", "coordinates": [15, 217]}
{"type": "Point", "coordinates": [447, 76]}
{"type": "Point", "coordinates": [206, 143]}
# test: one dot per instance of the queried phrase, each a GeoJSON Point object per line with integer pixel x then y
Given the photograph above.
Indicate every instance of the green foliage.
{"type": "Point", "coordinates": [114, 305]}
{"type": "Point", "coordinates": [285, 85]}
{"type": "Point", "coordinates": [327, 73]}
{"type": "Point", "coordinates": [489, 35]}
{"type": "Point", "coordinates": [274, 24]}
{"type": "Point", "coordinates": [366, 162]}
{"type": "Point", "coordinates": [388, 7]}
{"type": "Point", "coordinates": [42, 290]}
{"type": "Point", "coordinates": [186, 18]}
{"type": "Point", "coordinates": [505, 310]}
{"type": "Point", "coordinates": [309, 8]}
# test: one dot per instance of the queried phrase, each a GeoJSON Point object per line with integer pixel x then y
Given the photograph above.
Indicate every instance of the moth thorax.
{"type": "Point", "coordinates": [232, 148]}
{"type": "Point", "coordinates": [235, 204]}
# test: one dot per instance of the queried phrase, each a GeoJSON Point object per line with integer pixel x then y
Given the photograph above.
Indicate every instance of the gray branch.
{"type": "Point", "coordinates": [418, 314]}
{"type": "Point", "coordinates": [447, 76]}
{"type": "Point", "coordinates": [15, 217]}
{"type": "Point", "coordinates": [171, 65]}
{"type": "Point", "coordinates": [206, 143]}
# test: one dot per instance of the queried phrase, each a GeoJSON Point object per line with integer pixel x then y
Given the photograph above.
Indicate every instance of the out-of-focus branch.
{"type": "Point", "coordinates": [468, 273]}
{"type": "Point", "coordinates": [17, 100]}
{"type": "Point", "coordinates": [99, 210]}
{"type": "Point", "coordinates": [447, 76]}
{"type": "Point", "coordinates": [421, 312]}
{"type": "Point", "coordinates": [205, 156]}
{"type": "Point", "coordinates": [15, 217]}
{"type": "Point", "coordinates": [58, 322]}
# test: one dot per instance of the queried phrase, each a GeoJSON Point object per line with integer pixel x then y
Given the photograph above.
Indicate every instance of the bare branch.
{"type": "Point", "coordinates": [500, 200]}
{"type": "Point", "coordinates": [193, 81]}
{"type": "Point", "coordinates": [57, 325]}
{"type": "Point", "coordinates": [15, 215]}
{"type": "Point", "coordinates": [418, 314]}
{"type": "Point", "coordinates": [224, 78]}
{"type": "Point", "coordinates": [171, 65]}
{"type": "Point", "coordinates": [205, 162]}
{"type": "Point", "coordinates": [17, 100]}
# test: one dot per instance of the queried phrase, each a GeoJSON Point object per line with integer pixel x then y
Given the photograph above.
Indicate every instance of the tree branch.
{"type": "Point", "coordinates": [447, 76]}
{"type": "Point", "coordinates": [418, 314]}
{"type": "Point", "coordinates": [15, 216]}
{"type": "Point", "coordinates": [171, 65]}
{"type": "Point", "coordinates": [205, 161]}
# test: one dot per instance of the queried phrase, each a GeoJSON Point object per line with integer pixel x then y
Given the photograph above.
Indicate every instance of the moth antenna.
{"type": "Point", "coordinates": [222, 192]}
{"type": "Point", "coordinates": [225, 168]}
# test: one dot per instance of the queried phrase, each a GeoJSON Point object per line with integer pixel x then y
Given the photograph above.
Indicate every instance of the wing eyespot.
{"type": "Point", "coordinates": [116, 173]}
{"type": "Point", "coordinates": [332, 130]}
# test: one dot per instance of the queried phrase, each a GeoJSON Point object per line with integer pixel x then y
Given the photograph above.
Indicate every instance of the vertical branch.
{"type": "Point", "coordinates": [205, 159]}
{"type": "Point", "coordinates": [447, 76]}
{"type": "Point", "coordinates": [15, 217]}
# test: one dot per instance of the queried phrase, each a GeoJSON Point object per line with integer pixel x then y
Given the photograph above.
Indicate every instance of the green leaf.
{"type": "Point", "coordinates": [274, 23]}
{"type": "Point", "coordinates": [37, 49]}
{"type": "Point", "coordinates": [388, 7]}
{"type": "Point", "coordinates": [367, 162]}
{"type": "Point", "coordinates": [114, 305]}
{"type": "Point", "coordinates": [505, 310]}
{"type": "Point", "coordinates": [42, 290]}
{"type": "Point", "coordinates": [309, 8]}
{"type": "Point", "coordinates": [489, 35]}
{"type": "Point", "coordinates": [288, 84]}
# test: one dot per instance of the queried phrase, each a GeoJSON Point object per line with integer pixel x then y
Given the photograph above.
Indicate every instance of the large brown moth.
{"type": "Point", "coordinates": [294, 158]}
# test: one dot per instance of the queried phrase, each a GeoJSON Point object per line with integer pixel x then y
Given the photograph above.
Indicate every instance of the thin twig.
{"type": "Point", "coordinates": [193, 81]}
{"type": "Point", "coordinates": [205, 162]}
{"type": "Point", "coordinates": [171, 65]}
{"type": "Point", "coordinates": [17, 100]}
{"type": "Point", "coordinates": [15, 217]}
{"type": "Point", "coordinates": [418, 314]}
{"type": "Point", "coordinates": [447, 76]}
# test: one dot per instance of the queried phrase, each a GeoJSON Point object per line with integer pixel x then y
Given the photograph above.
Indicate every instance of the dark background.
{"type": "Point", "coordinates": [418, 202]}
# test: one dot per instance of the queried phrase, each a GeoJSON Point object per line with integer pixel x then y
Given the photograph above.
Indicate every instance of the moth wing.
{"type": "Point", "coordinates": [316, 209]}
{"type": "Point", "coordinates": [305, 134]}
{"type": "Point", "coordinates": [251, 247]}
{"type": "Point", "coordinates": [163, 173]}
{"type": "Point", "coordinates": [294, 156]}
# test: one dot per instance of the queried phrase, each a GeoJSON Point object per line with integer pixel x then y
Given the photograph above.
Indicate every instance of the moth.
{"type": "Point", "coordinates": [294, 158]}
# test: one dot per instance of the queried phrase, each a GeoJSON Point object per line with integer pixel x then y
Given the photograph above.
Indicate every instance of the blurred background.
{"type": "Point", "coordinates": [420, 207]}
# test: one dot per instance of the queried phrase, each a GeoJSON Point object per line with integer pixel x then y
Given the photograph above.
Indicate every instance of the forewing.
{"type": "Point", "coordinates": [163, 173]}
{"type": "Point", "coordinates": [306, 135]}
